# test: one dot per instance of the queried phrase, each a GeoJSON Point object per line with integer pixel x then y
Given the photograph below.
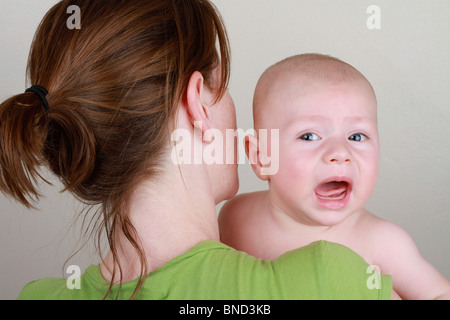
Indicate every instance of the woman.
{"type": "Point", "coordinates": [104, 103]}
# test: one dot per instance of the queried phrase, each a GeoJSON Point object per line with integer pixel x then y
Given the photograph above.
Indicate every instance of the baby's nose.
{"type": "Point", "coordinates": [337, 153]}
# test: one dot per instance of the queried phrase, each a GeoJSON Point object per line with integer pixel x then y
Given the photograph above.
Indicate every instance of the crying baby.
{"type": "Point", "coordinates": [325, 112]}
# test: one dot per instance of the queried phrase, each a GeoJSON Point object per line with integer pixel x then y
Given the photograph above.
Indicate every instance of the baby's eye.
{"type": "Point", "coordinates": [359, 137]}
{"type": "Point", "coordinates": [310, 137]}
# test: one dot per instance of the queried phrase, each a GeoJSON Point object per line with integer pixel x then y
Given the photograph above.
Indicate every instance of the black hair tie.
{"type": "Point", "coordinates": [42, 94]}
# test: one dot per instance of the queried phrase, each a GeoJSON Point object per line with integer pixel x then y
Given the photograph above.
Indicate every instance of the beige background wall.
{"type": "Point", "coordinates": [407, 61]}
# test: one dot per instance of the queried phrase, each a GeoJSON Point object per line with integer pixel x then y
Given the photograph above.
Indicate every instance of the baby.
{"type": "Point", "coordinates": [326, 114]}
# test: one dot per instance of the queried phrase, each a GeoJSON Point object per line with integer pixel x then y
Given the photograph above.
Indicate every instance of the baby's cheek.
{"type": "Point", "coordinates": [293, 175]}
{"type": "Point", "coordinates": [369, 169]}
{"type": "Point", "coordinates": [371, 179]}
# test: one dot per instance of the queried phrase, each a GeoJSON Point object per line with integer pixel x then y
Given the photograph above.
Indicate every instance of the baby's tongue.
{"type": "Point", "coordinates": [331, 189]}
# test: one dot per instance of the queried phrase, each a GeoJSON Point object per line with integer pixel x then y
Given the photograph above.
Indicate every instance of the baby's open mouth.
{"type": "Point", "coordinates": [334, 190]}
{"type": "Point", "coordinates": [334, 193]}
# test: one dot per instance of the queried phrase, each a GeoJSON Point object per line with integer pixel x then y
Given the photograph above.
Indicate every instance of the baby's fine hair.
{"type": "Point", "coordinates": [315, 66]}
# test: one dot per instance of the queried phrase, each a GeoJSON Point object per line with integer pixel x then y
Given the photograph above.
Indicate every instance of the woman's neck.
{"type": "Point", "coordinates": [171, 215]}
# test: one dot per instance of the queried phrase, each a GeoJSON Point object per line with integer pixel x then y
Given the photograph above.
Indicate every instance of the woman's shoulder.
{"type": "Point", "coordinates": [320, 270]}
{"type": "Point", "coordinates": [212, 270]}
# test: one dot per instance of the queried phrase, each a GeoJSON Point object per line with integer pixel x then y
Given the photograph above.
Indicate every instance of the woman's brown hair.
{"type": "Point", "coordinates": [114, 86]}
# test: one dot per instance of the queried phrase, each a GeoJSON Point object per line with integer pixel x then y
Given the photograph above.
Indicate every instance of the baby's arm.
{"type": "Point", "coordinates": [413, 276]}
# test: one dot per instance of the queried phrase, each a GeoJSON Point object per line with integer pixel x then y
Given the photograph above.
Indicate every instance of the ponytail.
{"type": "Point", "coordinates": [31, 136]}
{"type": "Point", "coordinates": [23, 127]}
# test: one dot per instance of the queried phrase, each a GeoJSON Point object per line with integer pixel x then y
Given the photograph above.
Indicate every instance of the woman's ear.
{"type": "Point", "coordinates": [252, 151]}
{"type": "Point", "coordinates": [196, 94]}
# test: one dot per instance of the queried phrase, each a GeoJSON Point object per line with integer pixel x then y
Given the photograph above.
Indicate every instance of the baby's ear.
{"type": "Point", "coordinates": [253, 155]}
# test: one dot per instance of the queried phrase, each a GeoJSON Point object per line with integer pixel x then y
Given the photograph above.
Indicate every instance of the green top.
{"type": "Point", "coordinates": [214, 271]}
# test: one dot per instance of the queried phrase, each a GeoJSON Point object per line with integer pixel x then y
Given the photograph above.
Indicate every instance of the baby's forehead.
{"type": "Point", "coordinates": [290, 78]}
{"type": "Point", "coordinates": [294, 87]}
{"type": "Point", "coordinates": [308, 100]}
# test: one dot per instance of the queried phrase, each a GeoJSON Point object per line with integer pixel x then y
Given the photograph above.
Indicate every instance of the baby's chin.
{"type": "Point", "coordinates": [321, 217]}
{"type": "Point", "coordinates": [330, 218]}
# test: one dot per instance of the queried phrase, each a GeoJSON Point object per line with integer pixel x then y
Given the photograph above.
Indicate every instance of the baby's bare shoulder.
{"type": "Point", "coordinates": [382, 230]}
{"type": "Point", "coordinates": [242, 205]}
{"type": "Point", "coordinates": [237, 215]}
{"type": "Point", "coordinates": [389, 242]}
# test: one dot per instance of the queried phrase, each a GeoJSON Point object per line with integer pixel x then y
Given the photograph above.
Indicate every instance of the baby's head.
{"type": "Point", "coordinates": [326, 114]}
